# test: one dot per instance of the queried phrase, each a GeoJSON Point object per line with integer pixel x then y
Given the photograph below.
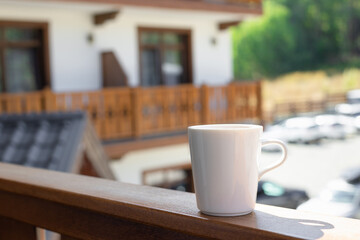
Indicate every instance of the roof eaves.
{"type": "Point", "coordinates": [229, 6]}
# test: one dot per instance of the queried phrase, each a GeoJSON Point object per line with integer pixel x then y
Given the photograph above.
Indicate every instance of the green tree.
{"type": "Point", "coordinates": [263, 46]}
{"type": "Point", "coordinates": [298, 35]}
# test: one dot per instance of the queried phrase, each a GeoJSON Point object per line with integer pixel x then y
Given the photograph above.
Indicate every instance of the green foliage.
{"type": "Point", "coordinates": [297, 35]}
{"type": "Point", "coordinates": [263, 44]}
{"type": "Point", "coordinates": [350, 79]}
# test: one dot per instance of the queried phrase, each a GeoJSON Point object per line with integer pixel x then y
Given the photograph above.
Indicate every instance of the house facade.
{"type": "Point", "coordinates": [87, 45]}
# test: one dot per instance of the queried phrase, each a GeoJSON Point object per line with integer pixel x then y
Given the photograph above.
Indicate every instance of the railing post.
{"type": "Point", "coordinates": [137, 112]}
{"type": "Point", "coordinates": [259, 111]}
{"type": "Point", "coordinates": [205, 104]}
{"type": "Point", "coordinates": [12, 229]}
{"type": "Point", "coordinates": [48, 100]}
{"type": "Point", "coordinates": [231, 103]}
{"type": "Point", "coordinates": [323, 105]}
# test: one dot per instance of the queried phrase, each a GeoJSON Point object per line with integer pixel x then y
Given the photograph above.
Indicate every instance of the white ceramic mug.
{"type": "Point", "coordinates": [224, 159]}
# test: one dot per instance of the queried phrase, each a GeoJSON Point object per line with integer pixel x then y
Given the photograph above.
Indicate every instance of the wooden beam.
{"type": "Point", "coordinates": [95, 153]}
{"type": "Point", "coordinates": [226, 25]}
{"type": "Point", "coordinates": [247, 7]}
{"type": "Point", "coordinates": [100, 18]}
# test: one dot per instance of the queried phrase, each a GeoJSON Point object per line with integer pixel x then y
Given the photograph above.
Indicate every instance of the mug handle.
{"type": "Point", "coordinates": [265, 142]}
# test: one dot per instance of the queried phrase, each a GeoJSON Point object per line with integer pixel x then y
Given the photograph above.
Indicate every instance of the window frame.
{"type": "Point", "coordinates": [188, 50]}
{"type": "Point", "coordinates": [43, 44]}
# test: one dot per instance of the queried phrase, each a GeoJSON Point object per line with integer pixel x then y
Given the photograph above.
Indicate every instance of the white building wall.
{"type": "Point", "coordinates": [75, 62]}
{"type": "Point", "coordinates": [212, 63]}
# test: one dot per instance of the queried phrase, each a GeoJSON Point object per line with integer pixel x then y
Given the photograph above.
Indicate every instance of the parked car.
{"type": "Point", "coordinates": [352, 176]}
{"type": "Point", "coordinates": [334, 126]}
{"type": "Point", "coordinates": [357, 123]}
{"type": "Point", "coordinates": [295, 130]}
{"type": "Point", "coordinates": [348, 109]}
{"type": "Point", "coordinates": [273, 194]}
{"type": "Point", "coordinates": [276, 131]}
{"type": "Point", "coordinates": [352, 110]}
{"type": "Point", "coordinates": [353, 96]}
{"type": "Point", "coordinates": [339, 198]}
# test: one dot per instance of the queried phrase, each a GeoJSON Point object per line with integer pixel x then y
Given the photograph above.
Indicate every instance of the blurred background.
{"type": "Point", "coordinates": [108, 89]}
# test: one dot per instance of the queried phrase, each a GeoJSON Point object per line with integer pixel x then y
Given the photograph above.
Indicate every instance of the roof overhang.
{"type": "Point", "coordinates": [229, 6]}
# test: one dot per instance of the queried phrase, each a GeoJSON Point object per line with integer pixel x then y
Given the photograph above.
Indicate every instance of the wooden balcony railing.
{"type": "Point", "coordinates": [134, 112]}
{"type": "Point", "coordinates": [79, 207]}
{"type": "Point", "coordinates": [292, 108]}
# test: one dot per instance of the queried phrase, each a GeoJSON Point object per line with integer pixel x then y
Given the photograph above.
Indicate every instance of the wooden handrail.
{"type": "Point", "coordinates": [80, 207]}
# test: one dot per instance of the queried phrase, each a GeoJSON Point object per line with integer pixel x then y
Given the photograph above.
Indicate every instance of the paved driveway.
{"type": "Point", "coordinates": [308, 167]}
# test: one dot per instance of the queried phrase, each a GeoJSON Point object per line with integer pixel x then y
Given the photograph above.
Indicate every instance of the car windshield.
{"type": "Point", "coordinates": [272, 189]}
{"type": "Point", "coordinates": [338, 196]}
{"type": "Point", "coordinates": [300, 122]}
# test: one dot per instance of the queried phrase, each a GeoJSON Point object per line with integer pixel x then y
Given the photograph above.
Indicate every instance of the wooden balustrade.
{"type": "Point", "coordinates": [79, 207]}
{"type": "Point", "coordinates": [134, 112]}
{"type": "Point", "coordinates": [295, 107]}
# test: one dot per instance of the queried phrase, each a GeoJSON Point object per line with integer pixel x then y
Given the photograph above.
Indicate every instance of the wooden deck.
{"type": "Point", "coordinates": [79, 207]}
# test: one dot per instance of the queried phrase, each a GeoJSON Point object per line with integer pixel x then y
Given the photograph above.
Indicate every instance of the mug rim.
{"type": "Point", "coordinates": [225, 127]}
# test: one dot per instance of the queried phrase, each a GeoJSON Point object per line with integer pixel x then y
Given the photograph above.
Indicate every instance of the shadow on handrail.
{"type": "Point", "coordinates": [291, 227]}
{"type": "Point", "coordinates": [303, 228]}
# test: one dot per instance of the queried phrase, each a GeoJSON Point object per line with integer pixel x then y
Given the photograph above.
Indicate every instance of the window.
{"type": "Point", "coordinates": [23, 56]}
{"type": "Point", "coordinates": [165, 57]}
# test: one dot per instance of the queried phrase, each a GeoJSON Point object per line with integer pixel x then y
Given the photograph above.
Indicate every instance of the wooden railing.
{"type": "Point", "coordinates": [134, 112]}
{"type": "Point", "coordinates": [307, 106]}
{"type": "Point", "coordinates": [79, 207]}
